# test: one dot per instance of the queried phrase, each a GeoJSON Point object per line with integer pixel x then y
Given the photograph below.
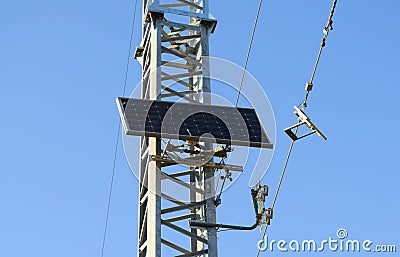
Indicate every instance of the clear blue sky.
{"type": "Point", "coordinates": [62, 65]}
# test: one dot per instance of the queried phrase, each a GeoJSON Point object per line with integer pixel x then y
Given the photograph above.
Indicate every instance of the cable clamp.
{"type": "Point", "coordinates": [309, 86]}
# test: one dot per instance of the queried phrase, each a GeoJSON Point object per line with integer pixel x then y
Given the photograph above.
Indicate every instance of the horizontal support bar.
{"type": "Point", "coordinates": [180, 25]}
{"type": "Point", "coordinates": [181, 174]}
{"type": "Point", "coordinates": [172, 199]}
{"type": "Point", "coordinates": [184, 184]}
{"type": "Point", "coordinates": [174, 246]}
{"type": "Point", "coordinates": [213, 165]}
{"type": "Point", "coordinates": [168, 39]}
{"type": "Point", "coordinates": [183, 231]}
{"type": "Point", "coordinates": [191, 4]}
{"type": "Point", "coordinates": [182, 217]}
{"type": "Point", "coordinates": [202, 252]}
{"type": "Point", "coordinates": [182, 207]}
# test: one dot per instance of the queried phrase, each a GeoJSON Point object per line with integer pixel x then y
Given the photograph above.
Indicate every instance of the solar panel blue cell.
{"type": "Point", "coordinates": [176, 120]}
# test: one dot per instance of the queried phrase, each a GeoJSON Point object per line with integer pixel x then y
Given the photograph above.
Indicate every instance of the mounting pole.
{"type": "Point", "coordinates": [174, 42]}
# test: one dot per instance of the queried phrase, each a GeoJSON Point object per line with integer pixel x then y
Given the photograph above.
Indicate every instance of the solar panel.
{"type": "Point", "coordinates": [197, 122]}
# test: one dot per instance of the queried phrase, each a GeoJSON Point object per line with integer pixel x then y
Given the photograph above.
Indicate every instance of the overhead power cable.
{"type": "Point", "coordinates": [277, 190]}
{"type": "Point", "coordinates": [328, 28]}
{"type": "Point", "coordinates": [118, 132]}
{"type": "Point", "coordinates": [248, 52]}
{"type": "Point", "coordinates": [304, 105]}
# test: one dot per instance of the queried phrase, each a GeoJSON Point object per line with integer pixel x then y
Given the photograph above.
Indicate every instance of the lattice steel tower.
{"type": "Point", "coordinates": [174, 44]}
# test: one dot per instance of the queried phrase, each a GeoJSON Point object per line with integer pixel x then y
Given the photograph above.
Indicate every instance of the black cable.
{"type": "Point", "coordinates": [232, 227]}
{"type": "Point", "coordinates": [321, 47]}
{"type": "Point", "coordinates": [279, 187]}
{"type": "Point", "coordinates": [118, 133]}
{"type": "Point", "coordinates": [130, 47]}
{"type": "Point", "coordinates": [110, 192]}
{"type": "Point", "coordinates": [248, 52]}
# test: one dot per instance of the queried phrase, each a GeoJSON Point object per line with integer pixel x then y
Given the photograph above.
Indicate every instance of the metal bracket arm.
{"type": "Point", "coordinates": [165, 161]}
{"type": "Point", "coordinates": [303, 120]}
{"type": "Point", "coordinates": [234, 227]}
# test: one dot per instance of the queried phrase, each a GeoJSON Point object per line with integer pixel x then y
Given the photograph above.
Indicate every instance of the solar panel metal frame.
{"type": "Point", "coordinates": [264, 143]}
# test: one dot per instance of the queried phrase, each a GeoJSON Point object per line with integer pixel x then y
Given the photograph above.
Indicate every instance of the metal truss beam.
{"type": "Point", "coordinates": [174, 42]}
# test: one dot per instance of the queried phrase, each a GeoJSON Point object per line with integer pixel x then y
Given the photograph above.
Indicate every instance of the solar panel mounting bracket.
{"type": "Point", "coordinates": [166, 161]}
